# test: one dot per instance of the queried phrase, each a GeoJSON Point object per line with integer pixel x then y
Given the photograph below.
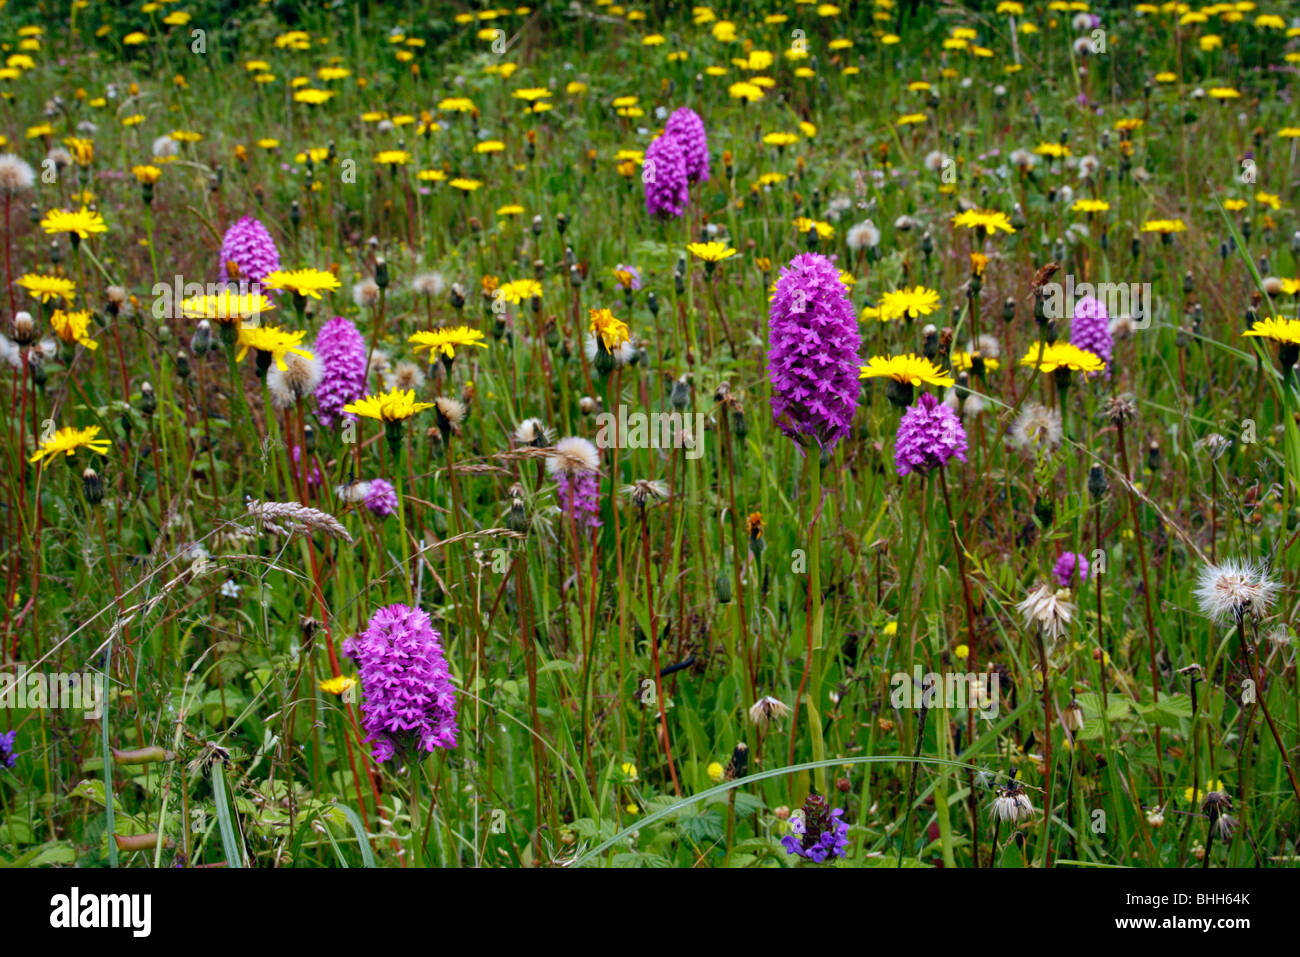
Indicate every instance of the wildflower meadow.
{"type": "Point", "coordinates": [594, 435]}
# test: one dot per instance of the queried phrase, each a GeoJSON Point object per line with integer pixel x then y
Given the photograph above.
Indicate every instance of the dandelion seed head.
{"type": "Point", "coordinates": [1235, 589]}
{"type": "Point", "coordinates": [16, 175]}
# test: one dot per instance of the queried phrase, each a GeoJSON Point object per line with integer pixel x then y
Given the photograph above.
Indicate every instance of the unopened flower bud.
{"type": "Point", "coordinates": [722, 585]}
{"type": "Point", "coordinates": [93, 486]}
{"type": "Point", "coordinates": [681, 394]}
{"type": "Point", "coordinates": [24, 328]}
{"type": "Point", "coordinates": [201, 341]}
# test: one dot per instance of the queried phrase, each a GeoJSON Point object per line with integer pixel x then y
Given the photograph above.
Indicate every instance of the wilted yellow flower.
{"type": "Point", "coordinates": [612, 332]}
{"type": "Point", "coordinates": [73, 327]}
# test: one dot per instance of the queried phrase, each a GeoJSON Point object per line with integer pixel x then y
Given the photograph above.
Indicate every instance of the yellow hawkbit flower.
{"type": "Point", "coordinates": [1279, 329]}
{"type": "Point", "coordinates": [226, 306]}
{"type": "Point", "coordinates": [339, 685]}
{"type": "Point", "coordinates": [1090, 206]}
{"type": "Point", "coordinates": [909, 369]}
{"type": "Point", "coordinates": [81, 223]}
{"type": "Point", "coordinates": [711, 252]}
{"type": "Point", "coordinates": [1062, 355]}
{"type": "Point", "coordinates": [908, 303]}
{"type": "Point", "coordinates": [1165, 227]}
{"type": "Point", "coordinates": [68, 441]}
{"type": "Point", "coordinates": [519, 291]}
{"type": "Point", "coordinates": [304, 282]}
{"type": "Point", "coordinates": [392, 406]}
{"type": "Point", "coordinates": [989, 220]}
{"type": "Point", "coordinates": [46, 288]}
{"type": "Point", "coordinates": [273, 340]}
{"type": "Point", "coordinates": [443, 342]}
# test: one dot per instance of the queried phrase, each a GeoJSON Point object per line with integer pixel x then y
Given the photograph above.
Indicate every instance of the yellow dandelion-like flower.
{"type": "Point", "coordinates": [1090, 206]}
{"type": "Point", "coordinates": [46, 288]}
{"type": "Point", "coordinates": [339, 685]}
{"type": "Point", "coordinates": [1055, 150]}
{"type": "Point", "coordinates": [68, 441]}
{"type": "Point", "coordinates": [226, 306]}
{"type": "Point", "coordinates": [304, 282]}
{"type": "Point", "coordinates": [271, 339]}
{"type": "Point", "coordinates": [146, 174]}
{"type": "Point", "coordinates": [780, 139]}
{"type": "Point", "coordinates": [457, 104]}
{"type": "Point", "coordinates": [312, 96]}
{"type": "Point", "coordinates": [519, 291]}
{"type": "Point", "coordinates": [1063, 355]}
{"type": "Point", "coordinates": [1165, 227]}
{"type": "Point", "coordinates": [748, 92]}
{"type": "Point", "coordinates": [81, 223]}
{"type": "Point", "coordinates": [392, 157]}
{"type": "Point", "coordinates": [908, 302]}
{"type": "Point", "coordinates": [82, 149]}
{"type": "Point", "coordinates": [965, 361]}
{"type": "Point", "coordinates": [806, 225]}
{"type": "Point", "coordinates": [392, 406]}
{"type": "Point", "coordinates": [712, 252]}
{"type": "Point", "coordinates": [989, 220]}
{"type": "Point", "coordinates": [909, 369]}
{"type": "Point", "coordinates": [1279, 329]}
{"type": "Point", "coordinates": [465, 184]}
{"type": "Point", "coordinates": [444, 342]}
